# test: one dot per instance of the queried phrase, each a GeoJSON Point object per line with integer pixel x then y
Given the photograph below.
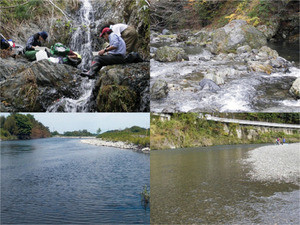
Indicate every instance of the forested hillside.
{"type": "Point", "coordinates": [282, 16]}
{"type": "Point", "coordinates": [19, 126]}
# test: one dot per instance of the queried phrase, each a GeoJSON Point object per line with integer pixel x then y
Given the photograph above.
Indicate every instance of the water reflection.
{"type": "Point", "coordinates": [210, 185]}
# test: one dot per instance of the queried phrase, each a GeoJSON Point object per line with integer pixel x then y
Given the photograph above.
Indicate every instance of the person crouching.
{"type": "Point", "coordinates": [115, 53]}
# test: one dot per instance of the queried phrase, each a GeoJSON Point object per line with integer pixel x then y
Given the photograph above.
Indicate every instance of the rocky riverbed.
{"type": "Point", "coordinates": [222, 70]}
{"type": "Point", "coordinates": [275, 163]}
{"type": "Point", "coordinates": [117, 144]}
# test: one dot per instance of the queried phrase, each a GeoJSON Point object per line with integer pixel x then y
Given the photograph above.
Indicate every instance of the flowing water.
{"type": "Point", "coordinates": [81, 42]}
{"type": "Point", "coordinates": [62, 181]}
{"type": "Point", "coordinates": [211, 185]}
{"type": "Point", "coordinates": [242, 91]}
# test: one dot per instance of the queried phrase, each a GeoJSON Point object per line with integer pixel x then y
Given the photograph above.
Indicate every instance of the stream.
{"type": "Point", "coordinates": [243, 90]}
{"type": "Point", "coordinates": [212, 185]}
{"type": "Point", "coordinates": [81, 42]}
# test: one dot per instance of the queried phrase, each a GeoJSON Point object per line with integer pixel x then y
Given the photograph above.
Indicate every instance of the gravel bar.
{"type": "Point", "coordinates": [275, 163]}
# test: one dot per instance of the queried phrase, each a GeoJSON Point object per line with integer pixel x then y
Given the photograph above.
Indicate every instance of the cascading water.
{"type": "Point", "coordinates": [81, 39]}
{"type": "Point", "coordinates": [81, 42]}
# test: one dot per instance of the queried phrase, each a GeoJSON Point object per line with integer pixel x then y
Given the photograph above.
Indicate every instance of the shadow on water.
{"type": "Point", "coordinates": [288, 51]}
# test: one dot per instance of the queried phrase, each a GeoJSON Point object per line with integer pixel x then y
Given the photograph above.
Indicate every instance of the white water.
{"type": "Point", "coordinates": [81, 42]}
{"type": "Point", "coordinates": [243, 90]}
{"type": "Point", "coordinates": [81, 39]}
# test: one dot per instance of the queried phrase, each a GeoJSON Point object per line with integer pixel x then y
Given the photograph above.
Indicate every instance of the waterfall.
{"type": "Point", "coordinates": [81, 43]}
{"type": "Point", "coordinates": [81, 39]}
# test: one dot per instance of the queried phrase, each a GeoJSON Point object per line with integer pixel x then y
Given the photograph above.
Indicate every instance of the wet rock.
{"type": "Point", "coordinates": [170, 54]}
{"type": "Point", "coordinates": [159, 90]}
{"type": "Point", "coordinates": [295, 89]}
{"type": "Point", "coordinates": [209, 84]}
{"type": "Point", "coordinates": [33, 87]}
{"type": "Point", "coordinates": [260, 67]}
{"type": "Point", "coordinates": [123, 88]}
{"type": "Point", "coordinates": [236, 34]}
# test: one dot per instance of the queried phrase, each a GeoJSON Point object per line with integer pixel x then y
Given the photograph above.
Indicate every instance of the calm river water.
{"type": "Point", "coordinates": [64, 181]}
{"type": "Point", "coordinates": [211, 186]}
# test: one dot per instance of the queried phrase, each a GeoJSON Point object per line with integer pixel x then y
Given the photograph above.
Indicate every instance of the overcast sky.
{"type": "Point", "coordinates": [62, 122]}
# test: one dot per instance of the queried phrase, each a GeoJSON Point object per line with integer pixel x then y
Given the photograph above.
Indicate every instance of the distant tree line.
{"type": "Point", "coordinates": [79, 133]}
{"type": "Point", "coordinates": [136, 135]}
{"type": "Point", "coordinates": [19, 126]}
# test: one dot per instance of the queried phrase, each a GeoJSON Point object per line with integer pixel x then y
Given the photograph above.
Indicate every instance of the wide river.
{"type": "Point", "coordinates": [212, 185]}
{"type": "Point", "coordinates": [62, 181]}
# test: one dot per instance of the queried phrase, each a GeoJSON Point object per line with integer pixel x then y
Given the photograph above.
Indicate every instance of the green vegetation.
{"type": "Point", "coordinates": [136, 135]}
{"type": "Point", "coordinates": [187, 130]}
{"type": "Point", "coordinates": [217, 13]}
{"type": "Point", "coordinates": [145, 196]}
{"type": "Point", "coordinates": [14, 13]}
{"type": "Point", "coordinates": [19, 126]}
{"type": "Point", "coordinates": [289, 118]}
{"type": "Point", "coordinates": [79, 133]}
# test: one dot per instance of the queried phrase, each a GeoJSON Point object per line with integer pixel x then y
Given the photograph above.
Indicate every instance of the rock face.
{"type": "Point", "coordinates": [159, 89]}
{"type": "Point", "coordinates": [236, 34]}
{"type": "Point", "coordinates": [170, 54]}
{"type": "Point", "coordinates": [32, 87]}
{"type": "Point", "coordinates": [123, 88]}
{"type": "Point", "coordinates": [295, 89]}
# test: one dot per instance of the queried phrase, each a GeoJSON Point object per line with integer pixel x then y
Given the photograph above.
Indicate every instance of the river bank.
{"type": "Point", "coordinates": [275, 163]}
{"type": "Point", "coordinates": [118, 144]}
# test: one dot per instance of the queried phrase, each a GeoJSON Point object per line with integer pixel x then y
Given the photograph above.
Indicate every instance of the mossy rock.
{"type": "Point", "coordinates": [116, 98]}
{"type": "Point", "coordinates": [170, 54]}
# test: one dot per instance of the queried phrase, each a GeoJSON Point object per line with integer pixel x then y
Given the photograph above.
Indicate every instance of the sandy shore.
{"type": "Point", "coordinates": [118, 144]}
{"type": "Point", "coordinates": [275, 163]}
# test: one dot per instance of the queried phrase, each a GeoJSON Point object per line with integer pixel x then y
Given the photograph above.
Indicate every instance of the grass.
{"type": "Point", "coordinates": [186, 130]}
{"type": "Point", "coordinates": [135, 135]}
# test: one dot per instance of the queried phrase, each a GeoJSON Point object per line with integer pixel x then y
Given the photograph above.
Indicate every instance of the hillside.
{"type": "Point", "coordinates": [136, 135]}
{"type": "Point", "coordinates": [281, 18]}
{"type": "Point", "coordinates": [187, 130]}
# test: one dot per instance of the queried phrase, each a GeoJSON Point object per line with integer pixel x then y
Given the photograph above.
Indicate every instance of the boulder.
{"type": "Point", "coordinates": [159, 89]}
{"type": "Point", "coordinates": [266, 53]}
{"type": "Point", "coordinates": [123, 88]}
{"type": "Point", "coordinates": [33, 87]}
{"type": "Point", "coordinates": [170, 54]}
{"type": "Point", "coordinates": [236, 34]}
{"type": "Point", "coordinates": [260, 67]}
{"type": "Point", "coordinates": [209, 84]}
{"type": "Point", "coordinates": [295, 89]}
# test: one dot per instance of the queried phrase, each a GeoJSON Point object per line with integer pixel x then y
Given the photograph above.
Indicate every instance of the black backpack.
{"type": "Point", "coordinates": [4, 44]}
{"type": "Point", "coordinates": [133, 57]}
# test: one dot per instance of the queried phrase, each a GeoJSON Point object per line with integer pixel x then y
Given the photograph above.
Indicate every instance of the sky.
{"type": "Point", "coordinates": [62, 122]}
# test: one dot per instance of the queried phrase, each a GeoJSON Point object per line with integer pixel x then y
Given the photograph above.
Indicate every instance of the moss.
{"type": "Point", "coordinates": [115, 98]}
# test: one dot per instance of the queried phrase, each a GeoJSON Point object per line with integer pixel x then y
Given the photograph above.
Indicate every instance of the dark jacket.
{"type": "Point", "coordinates": [33, 41]}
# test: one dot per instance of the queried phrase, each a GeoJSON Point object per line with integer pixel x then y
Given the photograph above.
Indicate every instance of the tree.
{"type": "Point", "coordinates": [99, 131]}
{"type": "Point", "coordinates": [10, 125]}
{"type": "Point", "coordinates": [24, 126]}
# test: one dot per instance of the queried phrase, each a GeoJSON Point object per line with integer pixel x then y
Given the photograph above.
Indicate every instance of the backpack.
{"type": "Point", "coordinates": [133, 57]}
{"type": "Point", "coordinates": [4, 44]}
{"type": "Point", "coordinates": [59, 49]}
